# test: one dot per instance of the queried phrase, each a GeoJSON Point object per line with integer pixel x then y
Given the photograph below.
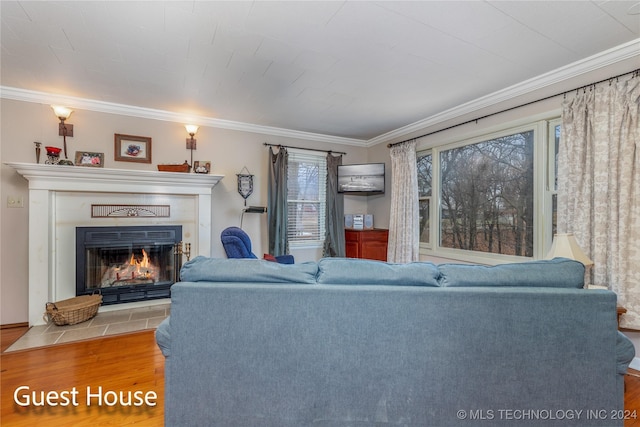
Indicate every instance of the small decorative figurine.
{"type": "Point", "coordinates": [38, 144]}
{"type": "Point", "coordinates": [53, 155]}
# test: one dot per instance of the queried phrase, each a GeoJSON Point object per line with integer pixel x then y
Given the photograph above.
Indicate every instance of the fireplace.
{"type": "Point", "coordinates": [60, 199]}
{"type": "Point", "coordinates": [126, 264]}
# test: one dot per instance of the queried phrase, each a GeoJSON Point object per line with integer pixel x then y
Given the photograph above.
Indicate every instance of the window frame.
{"type": "Point", "coordinates": [543, 152]}
{"type": "Point", "coordinates": [428, 198]}
{"type": "Point", "coordinates": [550, 188]}
{"type": "Point", "coordinates": [322, 201]}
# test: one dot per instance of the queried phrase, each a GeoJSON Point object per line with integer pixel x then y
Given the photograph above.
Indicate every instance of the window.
{"type": "Point", "coordinates": [306, 198]}
{"type": "Point", "coordinates": [478, 197]}
{"type": "Point", "coordinates": [552, 180]}
{"type": "Point", "coordinates": [487, 196]}
{"type": "Point", "coordinates": [424, 194]}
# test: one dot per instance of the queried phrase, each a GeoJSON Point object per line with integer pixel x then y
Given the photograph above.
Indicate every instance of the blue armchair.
{"type": "Point", "coordinates": [237, 244]}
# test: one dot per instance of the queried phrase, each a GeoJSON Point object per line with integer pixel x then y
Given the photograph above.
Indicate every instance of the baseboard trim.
{"type": "Point", "coordinates": [15, 325]}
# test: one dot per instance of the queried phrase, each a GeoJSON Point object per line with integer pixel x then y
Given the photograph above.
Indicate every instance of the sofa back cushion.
{"type": "Point", "coordinates": [347, 271]}
{"type": "Point", "coordinates": [555, 273]}
{"type": "Point", "coordinates": [203, 269]}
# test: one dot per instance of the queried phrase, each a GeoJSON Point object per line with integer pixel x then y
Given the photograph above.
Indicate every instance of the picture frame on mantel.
{"type": "Point", "coordinates": [201, 166]}
{"type": "Point", "coordinates": [132, 148]}
{"type": "Point", "coordinates": [86, 158]}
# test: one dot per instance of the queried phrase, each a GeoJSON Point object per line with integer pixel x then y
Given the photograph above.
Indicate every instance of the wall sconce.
{"type": "Point", "coordinates": [64, 129]}
{"type": "Point", "coordinates": [191, 142]}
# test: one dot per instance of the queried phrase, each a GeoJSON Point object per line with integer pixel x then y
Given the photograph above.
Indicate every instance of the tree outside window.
{"type": "Point", "coordinates": [487, 196]}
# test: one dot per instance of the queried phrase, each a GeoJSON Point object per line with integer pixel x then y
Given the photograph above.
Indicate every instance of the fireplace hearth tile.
{"type": "Point", "coordinates": [148, 313]}
{"type": "Point", "coordinates": [154, 322]}
{"type": "Point", "coordinates": [53, 328]}
{"type": "Point", "coordinates": [82, 334]}
{"type": "Point", "coordinates": [36, 340]}
{"type": "Point", "coordinates": [122, 328]}
{"type": "Point", "coordinates": [104, 324]}
{"type": "Point", "coordinates": [119, 316]}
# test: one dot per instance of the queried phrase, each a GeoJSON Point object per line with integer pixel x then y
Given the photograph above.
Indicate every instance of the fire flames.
{"type": "Point", "coordinates": [134, 271]}
{"type": "Point", "coordinates": [140, 265]}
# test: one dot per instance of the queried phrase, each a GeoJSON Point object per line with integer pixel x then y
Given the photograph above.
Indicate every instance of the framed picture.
{"type": "Point", "coordinates": [130, 148]}
{"type": "Point", "coordinates": [202, 166]}
{"type": "Point", "coordinates": [87, 158]}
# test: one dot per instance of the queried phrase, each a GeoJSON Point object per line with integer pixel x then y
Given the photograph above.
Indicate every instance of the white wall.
{"type": "Point", "coordinates": [230, 151]}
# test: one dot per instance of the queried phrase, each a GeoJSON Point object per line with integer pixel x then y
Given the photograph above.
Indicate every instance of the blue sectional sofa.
{"type": "Point", "coordinates": [346, 342]}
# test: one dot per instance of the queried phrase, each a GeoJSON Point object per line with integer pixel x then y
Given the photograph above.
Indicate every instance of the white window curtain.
{"type": "Point", "coordinates": [404, 221]}
{"type": "Point", "coordinates": [599, 186]}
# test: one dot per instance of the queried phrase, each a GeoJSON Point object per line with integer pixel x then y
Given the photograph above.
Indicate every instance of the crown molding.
{"type": "Point", "coordinates": [167, 116]}
{"type": "Point", "coordinates": [603, 59]}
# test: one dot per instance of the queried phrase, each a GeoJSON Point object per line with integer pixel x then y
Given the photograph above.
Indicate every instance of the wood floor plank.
{"type": "Point", "coordinates": [127, 363]}
{"type": "Point", "coordinates": [632, 398]}
{"type": "Point", "coordinates": [10, 335]}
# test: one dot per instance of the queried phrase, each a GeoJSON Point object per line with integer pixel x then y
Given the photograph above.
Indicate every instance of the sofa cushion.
{"type": "Point", "coordinates": [346, 271]}
{"type": "Point", "coordinates": [203, 269]}
{"type": "Point", "coordinates": [555, 273]}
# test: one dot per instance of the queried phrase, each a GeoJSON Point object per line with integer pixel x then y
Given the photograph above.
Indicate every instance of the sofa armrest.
{"type": "Point", "coordinates": [163, 337]}
{"type": "Point", "coordinates": [625, 352]}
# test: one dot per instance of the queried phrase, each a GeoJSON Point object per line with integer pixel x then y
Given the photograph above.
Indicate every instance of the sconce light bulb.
{"type": "Point", "coordinates": [61, 112]}
{"type": "Point", "coordinates": [191, 129]}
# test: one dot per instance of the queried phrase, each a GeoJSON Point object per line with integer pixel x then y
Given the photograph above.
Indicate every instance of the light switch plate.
{"type": "Point", "coordinates": [15, 202]}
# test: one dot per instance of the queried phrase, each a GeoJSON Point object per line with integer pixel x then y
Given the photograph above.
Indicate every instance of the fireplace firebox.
{"type": "Point", "coordinates": [127, 264]}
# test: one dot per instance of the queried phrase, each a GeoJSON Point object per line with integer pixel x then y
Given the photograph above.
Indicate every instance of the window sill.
{"type": "Point", "coordinates": [457, 256]}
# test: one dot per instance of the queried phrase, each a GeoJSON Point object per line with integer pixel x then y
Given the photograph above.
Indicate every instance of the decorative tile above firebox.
{"type": "Point", "coordinates": [130, 211]}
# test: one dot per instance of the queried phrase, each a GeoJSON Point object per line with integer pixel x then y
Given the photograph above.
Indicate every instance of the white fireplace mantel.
{"type": "Point", "coordinates": [75, 178]}
{"type": "Point", "coordinates": [48, 184]}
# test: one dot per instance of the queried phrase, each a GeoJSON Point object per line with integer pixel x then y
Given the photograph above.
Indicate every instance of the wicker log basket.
{"type": "Point", "coordinates": [73, 310]}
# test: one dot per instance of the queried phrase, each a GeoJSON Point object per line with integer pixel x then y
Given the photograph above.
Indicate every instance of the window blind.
{"type": "Point", "coordinates": [306, 197]}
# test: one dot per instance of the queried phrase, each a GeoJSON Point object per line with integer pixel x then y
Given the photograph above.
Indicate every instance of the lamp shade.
{"type": "Point", "coordinates": [62, 113]}
{"type": "Point", "coordinates": [565, 246]}
{"type": "Point", "coordinates": [191, 129]}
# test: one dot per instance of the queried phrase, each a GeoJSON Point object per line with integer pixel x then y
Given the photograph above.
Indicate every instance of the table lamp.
{"type": "Point", "coordinates": [565, 246]}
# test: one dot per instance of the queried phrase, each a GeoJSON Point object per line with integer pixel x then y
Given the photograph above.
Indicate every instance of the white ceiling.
{"type": "Point", "coordinates": [356, 69]}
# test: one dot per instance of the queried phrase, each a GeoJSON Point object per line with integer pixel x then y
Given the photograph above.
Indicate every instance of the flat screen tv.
{"type": "Point", "coordinates": [364, 179]}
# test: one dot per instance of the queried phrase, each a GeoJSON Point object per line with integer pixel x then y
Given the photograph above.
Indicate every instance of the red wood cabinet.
{"type": "Point", "coordinates": [369, 244]}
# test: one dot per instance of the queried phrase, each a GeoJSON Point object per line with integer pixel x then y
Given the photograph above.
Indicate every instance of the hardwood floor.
{"type": "Point", "coordinates": [9, 335]}
{"type": "Point", "coordinates": [122, 363]}
{"type": "Point", "coordinates": [632, 398]}
{"type": "Point", "coordinates": [125, 363]}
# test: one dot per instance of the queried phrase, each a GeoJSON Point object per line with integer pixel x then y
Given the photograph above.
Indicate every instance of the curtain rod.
{"type": "Point", "coordinates": [300, 148]}
{"type": "Point", "coordinates": [518, 106]}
